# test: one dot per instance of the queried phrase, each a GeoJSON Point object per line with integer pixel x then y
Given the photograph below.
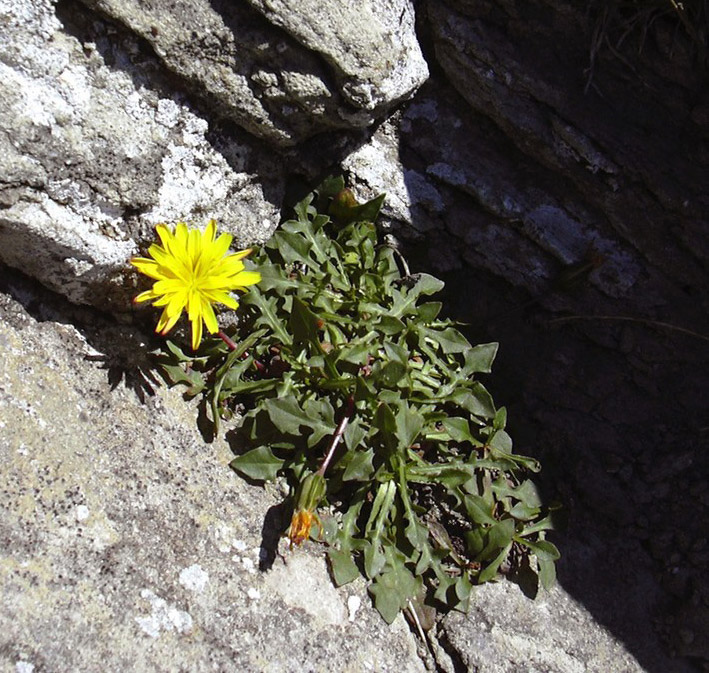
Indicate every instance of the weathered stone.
{"type": "Point", "coordinates": [553, 634]}
{"type": "Point", "coordinates": [371, 47]}
{"type": "Point", "coordinates": [641, 175]}
{"type": "Point", "coordinates": [325, 66]}
{"type": "Point", "coordinates": [126, 542]}
{"type": "Point", "coordinates": [91, 157]}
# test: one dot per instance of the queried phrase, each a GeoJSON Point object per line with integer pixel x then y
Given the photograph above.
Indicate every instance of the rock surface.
{"type": "Point", "coordinates": [127, 542]}
{"type": "Point", "coordinates": [124, 531]}
{"type": "Point", "coordinates": [553, 139]}
{"type": "Point", "coordinates": [553, 634]}
{"type": "Point", "coordinates": [91, 157]}
{"type": "Point", "coordinates": [324, 66]}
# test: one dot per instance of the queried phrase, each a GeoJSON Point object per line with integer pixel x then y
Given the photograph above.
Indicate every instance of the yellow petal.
{"type": "Point", "coordinates": [221, 297]}
{"type": "Point", "coordinates": [196, 333]}
{"type": "Point", "coordinates": [246, 278]}
{"type": "Point", "coordinates": [166, 323]}
{"type": "Point", "coordinates": [210, 320]}
{"type": "Point", "coordinates": [145, 296]}
{"type": "Point", "coordinates": [148, 267]}
{"type": "Point", "coordinates": [194, 306]}
{"type": "Point", "coordinates": [209, 233]}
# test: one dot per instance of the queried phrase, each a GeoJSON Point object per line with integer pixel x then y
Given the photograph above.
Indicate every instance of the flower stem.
{"type": "Point", "coordinates": [227, 340]}
{"type": "Point", "coordinates": [340, 430]}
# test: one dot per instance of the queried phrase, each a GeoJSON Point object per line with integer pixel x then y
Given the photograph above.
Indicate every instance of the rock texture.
{"type": "Point", "coordinates": [552, 170]}
{"type": "Point", "coordinates": [127, 542]}
{"type": "Point", "coordinates": [324, 66]}
{"type": "Point", "coordinates": [92, 156]}
{"type": "Point", "coordinates": [553, 634]}
{"type": "Point", "coordinates": [639, 174]}
{"type": "Point", "coordinates": [124, 531]}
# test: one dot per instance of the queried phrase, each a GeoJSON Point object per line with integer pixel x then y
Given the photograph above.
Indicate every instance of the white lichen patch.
{"type": "Point", "coordinates": [253, 594]}
{"type": "Point", "coordinates": [353, 604]}
{"type": "Point", "coordinates": [163, 617]}
{"type": "Point", "coordinates": [81, 512]}
{"type": "Point", "coordinates": [194, 578]}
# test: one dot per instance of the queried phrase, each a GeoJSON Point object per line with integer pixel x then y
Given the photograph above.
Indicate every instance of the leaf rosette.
{"type": "Point", "coordinates": [426, 496]}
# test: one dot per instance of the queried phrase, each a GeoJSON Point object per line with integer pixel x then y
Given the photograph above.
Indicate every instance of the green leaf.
{"type": "Point", "coordinates": [447, 474]}
{"type": "Point", "coordinates": [258, 464]}
{"type": "Point", "coordinates": [360, 467]}
{"type": "Point", "coordinates": [449, 339]}
{"type": "Point", "coordinates": [391, 373]}
{"type": "Point", "coordinates": [501, 441]}
{"type": "Point", "coordinates": [547, 573]}
{"type": "Point", "coordinates": [396, 353]}
{"type": "Point", "coordinates": [374, 559]}
{"type": "Point", "coordinates": [293, 247]}
{"type": "Point", "coordinates": [303, 323]}
{"type": "Point", "coordinates": [429, 311]}
{"type": "Point", "coordinates": [390, 325]}
{"type": "Point", "coordinates": [251, 387]}
{"type": "Point", "coordinates": [331, 186]}
{"type": "Point", "coordinates": [475, 400]}
{"type": "Point", "coordinates": [405, 300]}
{"type": "Point", "coordinates": [286, 414]}
{"type": "Point", "coordinates": [267, 313]}
{"type": "Point", "coordinates": [344, 569]}
{"type": "Point", "coordinates": [475, 541]}
{"type": "Point", "coordinates": [463, 588]}
{"type": "Point", "coordinates": [490, 571]}
{"type": "Point", "coordinates": [370, 210]}
{"type": "Point", "coordinates": [355, 432]}
{"type": "Point", "coordinates": [479, 359]}
{"type": "Point", "coordinates": [384, 419]}
{"type": "Point", "coordinates": [459, 430]}
{"type": "Point", "coordinates": [409, 424]}
{"type": "Point", "coordinates": [178, 375]}
{"type": "Point", "coordinates": [392, 591]}
{"type": "Point", "coordinates": [500, 420]}
{"type": "Point", "coordinates": [542, 549]}
{"type": "Point", "coordinates": [478, 510]}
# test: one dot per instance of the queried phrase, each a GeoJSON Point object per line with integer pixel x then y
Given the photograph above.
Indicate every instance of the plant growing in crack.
{"type": "Point", "coordinates": [368, 403]}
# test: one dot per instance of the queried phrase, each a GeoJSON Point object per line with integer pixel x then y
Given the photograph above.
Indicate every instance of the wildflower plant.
{"type": "Point", "coordinates": [369, 403]}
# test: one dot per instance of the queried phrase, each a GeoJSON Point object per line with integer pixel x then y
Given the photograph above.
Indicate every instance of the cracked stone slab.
{"type": "Point", "coordinates": [284, 70]}
{"type": "Point", "coordinates": [91, 158]}
{"type": "Point", "coordinates": [122, 530]}
{"type": "Point", "coordinates": [505, 632]}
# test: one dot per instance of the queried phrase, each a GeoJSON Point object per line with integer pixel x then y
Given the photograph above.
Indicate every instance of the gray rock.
{"type": "Point", "coordinates": [91, 158]}
{"type": "Point", "coordinates": [616, 134]}
{"type": "Point", "coordinates": [284, 70]}
{"type": "Point", "coordinates": [553, 634]}
{"type": "Point", "coordinates": [127, 543]}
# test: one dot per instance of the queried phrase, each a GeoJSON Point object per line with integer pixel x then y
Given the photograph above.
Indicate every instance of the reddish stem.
{"type": "Point", "coordinates": [227, 340]}
{"type": "Point", "coordinates": [349, 410]}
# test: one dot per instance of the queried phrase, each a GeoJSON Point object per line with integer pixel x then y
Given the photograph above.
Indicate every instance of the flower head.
{"type": "Point", "coordinates": [300, 526]}
{"type": "Point", "coordinates": [192, 271]}
{"type": "Point", "coordinates": [310, 493]}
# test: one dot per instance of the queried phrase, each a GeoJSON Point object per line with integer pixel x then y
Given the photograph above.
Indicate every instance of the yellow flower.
{"type": "Point", "coordinates": [192, 271]}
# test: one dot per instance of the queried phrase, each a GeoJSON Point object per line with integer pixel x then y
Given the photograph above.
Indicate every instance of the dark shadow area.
{"type": "Point", "coordinates": [607, 391]}
{"type": "Point", "coordinates": [274, 523]}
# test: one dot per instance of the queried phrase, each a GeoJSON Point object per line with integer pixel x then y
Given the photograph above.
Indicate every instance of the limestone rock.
{"type": "Point", "coordinates": [553, 634]}
{"type": "Point", "coordinates": [91, 157]}
{"type": "Point", "coordinates": [127, 542]}
{"type": "Point", "coordinates": [284, 70]}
